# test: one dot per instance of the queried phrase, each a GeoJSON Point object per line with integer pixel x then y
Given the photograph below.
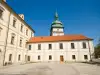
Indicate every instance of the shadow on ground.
{"type": "Point", "coordinates": [92, 63]}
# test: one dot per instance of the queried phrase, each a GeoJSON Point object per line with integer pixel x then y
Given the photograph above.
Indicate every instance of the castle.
{"type": "Point", "coordinates": [18, 43]}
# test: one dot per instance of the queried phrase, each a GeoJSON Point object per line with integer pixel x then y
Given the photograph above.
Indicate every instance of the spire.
{"type": "Point", "coordinates": [56, 16]}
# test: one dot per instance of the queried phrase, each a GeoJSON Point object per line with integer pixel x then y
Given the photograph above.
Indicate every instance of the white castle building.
{"type": "Point", "coordinates": [14, 33]}
{"type": "Point", "coordinates": [18, 43]}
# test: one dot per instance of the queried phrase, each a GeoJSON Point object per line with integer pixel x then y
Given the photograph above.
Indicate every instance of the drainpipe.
{"type": "Point", "coordinates": [89, 51]}
{"type": "Point", "coordinates": [5, 47]}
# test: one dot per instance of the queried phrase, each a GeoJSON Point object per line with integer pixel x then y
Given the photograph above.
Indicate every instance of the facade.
{"type": "Point", "coordinates": [18, 44]}
{"type": "Point", "coordinates": [59, 47]}
{"type": "Point", "coordinates": [14, 33]}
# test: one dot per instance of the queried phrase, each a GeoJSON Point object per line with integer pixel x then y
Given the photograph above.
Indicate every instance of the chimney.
{"type": "Point", "coordinates": [22, 16]}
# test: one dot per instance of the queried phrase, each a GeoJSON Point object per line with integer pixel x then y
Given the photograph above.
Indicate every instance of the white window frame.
{"type": "Point", "coordinates": [20, 42]}
{"type": "Point", "coordinates": [21, 28]}
{"type": "Point", "coordinates": [14, 25]}
{"type": "Point", "coordinates": [12, 35]}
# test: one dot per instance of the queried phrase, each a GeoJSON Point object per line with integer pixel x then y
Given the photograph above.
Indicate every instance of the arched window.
{"type": "Point", "coordinates": [84, 44]}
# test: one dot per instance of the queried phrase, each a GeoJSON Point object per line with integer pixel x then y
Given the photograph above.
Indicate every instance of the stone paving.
{"type": "Point", "coordinates": [51, 69]}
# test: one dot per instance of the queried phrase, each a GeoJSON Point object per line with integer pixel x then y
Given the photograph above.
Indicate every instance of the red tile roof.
{"type": "Point", "coordinates": [58, 38]}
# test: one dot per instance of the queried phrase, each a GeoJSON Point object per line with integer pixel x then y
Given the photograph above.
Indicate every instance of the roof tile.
{"type": "Point", "coordinates": [58, 38]}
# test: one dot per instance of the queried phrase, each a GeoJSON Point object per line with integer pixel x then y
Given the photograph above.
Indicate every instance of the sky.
{"type": "Point", "coordinates": [77, 16]}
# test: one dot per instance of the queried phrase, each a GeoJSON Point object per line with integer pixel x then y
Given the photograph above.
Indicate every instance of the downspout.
{"type": "Point", "coordinates": [6, 39]}
{"type": "Point", "coordinates": [89, 51]}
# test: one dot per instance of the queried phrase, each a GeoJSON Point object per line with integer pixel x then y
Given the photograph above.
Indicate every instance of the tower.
{"type": "Point", "coordinates": [57, 28]}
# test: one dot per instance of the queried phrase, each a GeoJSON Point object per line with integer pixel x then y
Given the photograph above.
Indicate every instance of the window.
{"type": "Point", "coordinates": [50, 46]}
{"type": "Point", "coordinates": [1, 13]}
{"type": "Point", "coordinates": [26, 31]}
{"type": "Point", "coordinates": [85, 57]}
{"type": "Point", "coordinates": [84, 44]}
{"type": "Point", "coordinates": [50, 57]}
{"type": "Point", "coordinates": [14, 22]}
{"type": "Point", "coordinates": [20, 43]}
{"type": "Point", "coordinates": [10, 57]}
{"type": "Point", "coordinates": [39, 46]}
{"type": "Point", "coordinates": [57, 29]}
{"type": "Point", "coordinates": [0, 50]}
{"type": "Point", "coordinates": [0, 30]}
{"type": "Point", "coordinates": [61, 46]}
{"type": "Point", "coordinates": [29, 47]}
{"type": "Point", "coordinates": [18, 57]}
{"type": "Point", "coordinates": [26, 44]}
{"type": "Point", "coordinates": [12, 38]}
{"type": "Point", "coordinates": [28, 58]}
{"type": "Point", "coordinates": [72, 45]}
{"type": "Point", "coordinates": [39, 57]}
{"type": "Point", "coordinates": [73, 57]}
{"type": "Point", "coordinates": [21, 29]}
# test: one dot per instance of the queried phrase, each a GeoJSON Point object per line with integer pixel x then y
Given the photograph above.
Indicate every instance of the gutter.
{"type": "Point", "coordinates": [89, 51]}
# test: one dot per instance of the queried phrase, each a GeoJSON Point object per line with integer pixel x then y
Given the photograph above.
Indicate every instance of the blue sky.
{"type": "Point", "coordinates": [77, 16]}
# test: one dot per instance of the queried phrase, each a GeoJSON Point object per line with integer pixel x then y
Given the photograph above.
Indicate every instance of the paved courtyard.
{"type": "Point", "coordinates": [51, 69]}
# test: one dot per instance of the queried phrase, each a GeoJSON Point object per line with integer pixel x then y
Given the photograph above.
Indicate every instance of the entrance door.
{"type": "Point", "coordinates": [61, 58]}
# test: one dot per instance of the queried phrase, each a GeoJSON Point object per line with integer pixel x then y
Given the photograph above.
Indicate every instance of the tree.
{"type": "Point", "coordinates": [97, 50]}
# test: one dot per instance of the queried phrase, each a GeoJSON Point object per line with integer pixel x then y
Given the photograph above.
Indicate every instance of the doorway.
{"type": "Point", "coordinates": [61, 58]}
